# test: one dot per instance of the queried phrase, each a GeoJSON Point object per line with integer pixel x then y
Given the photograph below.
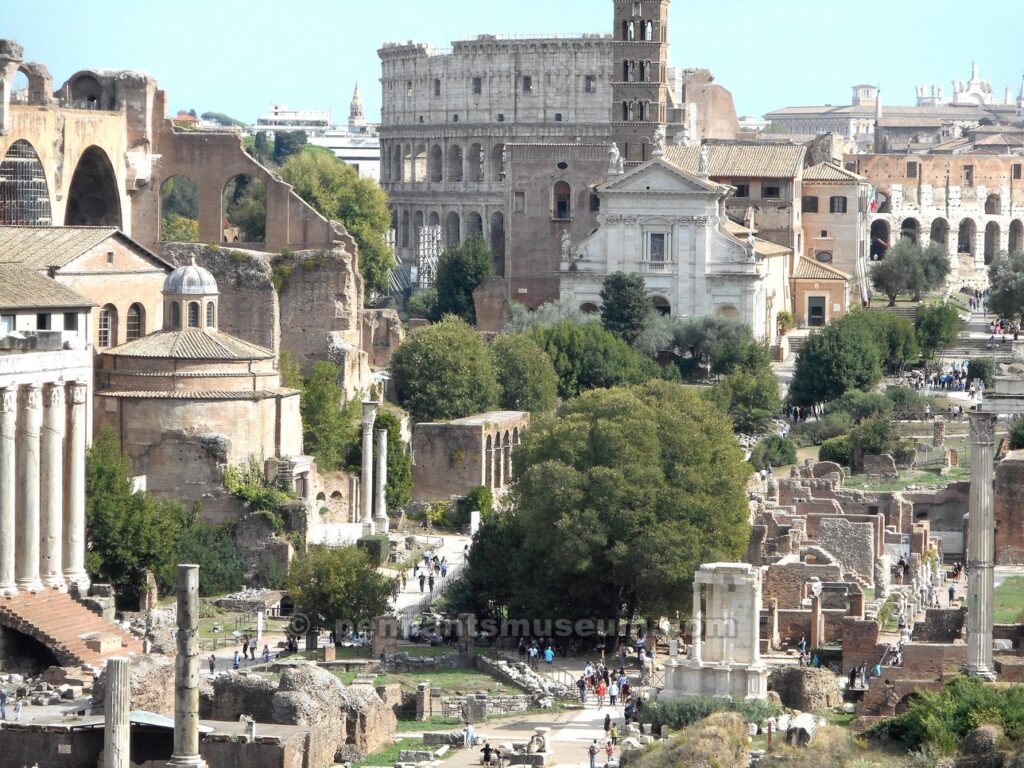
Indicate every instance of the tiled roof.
{"type": "Point", "coordinates": [947, 111]}
{"type": "Point", "coordinates": [809, 269]}
{"type": "Point", "coordinates": [185, 394]}
{"type": "Point", "coordinates": [22, 288]}
{"type": "Point", "coordinates": [761, 247]}
{"type": "Point", "coordinates": [45, 247]}
{"type": "Point", "coordinates": [910, 122]}
{"type": "Point", "coordinates": [192, 344]}
{"type": "Point", "coordinates": [770, 161]}
{"type": "Point", "coordinates": [830, 172]}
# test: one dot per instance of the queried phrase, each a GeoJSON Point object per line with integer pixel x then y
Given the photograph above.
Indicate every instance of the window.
{"type": "Point", "coordinates": [911, 169]}
{"type": "Point", "coordinates": [562, 165]}
{"type": "Point", "coordinates": [110, 257]}
{"type": "Point", "coordinates": [193, 314]}
{"type": "Point", "coordinates": [656, 250]}
{"type": "Point", "coordinates": [175, 315]}
{"type": "Point", "coordinates": [837, 204]}
{"type": "Point", "coordinates": [43, 321]}
{"type": "Point", "coordinates": [501, 117]}
{"type": "Point", "coordinates": [823, 256]}
{"type": "Point", "coordinates": [823, 234]}
{"type": "Point", "coordinates": [107, 326]}
{"type": "Point", "coordinates": [519, 202]}
{"type": "Point", "coordinates": [70, 321]}
{"type": "Point", "coordinates": [968, 175]}
{"type": "Point", "coordinates": [135, 326]}
{"type": "Point", "coordinates": [562, 193]}
{"type": "Point", "coordinates": [437, 87]}
{"type": "Point", "coordinates": [590, 84]}
{"type": "Point", "coordinates": [527, 84]}
{"type": "Point", "coordinates": [478, 85]}
{"type": "Point", "coordinates": [742, 190]}
{"type": "Point", "coordinates": [210, 314]}
{"type": "Point", "coordinates": [455, 118]}
{"type": "Point", "coordinates": [595, 202]}
{"type": "Point", "coordinates": [408, 88]}
{"type": "Point", "coordinates": [771, 191]}
{"type": "Point", "coordinates": [1016, 170]}
{"type": "Point", "coordinates": [809, 204]}
{"type": "Point", "coordinates": [558, 117]}
{"type": "Point", "coordinates": [6, 324]}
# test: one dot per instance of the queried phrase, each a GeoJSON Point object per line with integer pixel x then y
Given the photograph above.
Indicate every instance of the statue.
{"type": "Point", "coordinates": [704, 163]}
{"type": "Point", "coordinates": [615, 164]}
{"type": "Point", "coordinates": [749, 217]}
{"type": "Point", "coordinates": [752, 245]}
{"type": "Point", "coordinates": [660, 138]}
{"type": "Point", "coordinates": [566, 246]}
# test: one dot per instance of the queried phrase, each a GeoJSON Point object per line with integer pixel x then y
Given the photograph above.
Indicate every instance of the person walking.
{"type": "Point", "coordinates": [213, 663]}
{"type": "Point", "coordinates": [549, 655]}
{"type": "Point", "coordinates": [534, 655]}
{"type": "Point", "coordinates": [236, 660]}
{"type": "Point", "coordinates": [613, 693]}
{"type": "Point", "coordinates": [423, 581]}
{"type": "Point", "coordinates": [609, 752]}
{"type": "Point", "coordinates": [615, 734]}
{"type": "Point", "coordinates": [17, 709]}
{"type": "Point", "coordinates": [602, 689]}
{"type": "Point", "coordinates": [245, 646]}
{"type": "Point", "coordinates": [952, 594]}
{"type": "Point", "coordinates": [252, 648]}
{"type": "Point", "coordinates": [430, 583]}
{"type": "Point", "coordinates": [592, 751]}
{"type": "Point", "coordinates": [607, 725]}
{"type": "Point", "coordinates": [3, 704]}
{"type": "Point", "coordinates": [266, 654]}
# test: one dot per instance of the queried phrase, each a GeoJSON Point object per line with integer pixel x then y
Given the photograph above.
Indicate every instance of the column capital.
{"type": "Point", "coordinates": [369, 413]}
{"type": "Point", "coordinates": [53, 396]}
{"type": "Point", "coordinates": [8, 400]}
{"type": "Point", "coordinates": [982, 426]}
{"type": "Point", "coordinates": [29, 396]}
{"type": "Point", "coordinates": [78, 391]}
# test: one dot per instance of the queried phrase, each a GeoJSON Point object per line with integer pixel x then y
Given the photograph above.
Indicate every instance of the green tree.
{"type": "Point", "coordinates": [773, 451]}
{"type": "Point", "coordinates": [876, 435]}
{"type": "Point", "coordinates": [614, 507]}
{"type": "Point", "coordinates": [423, 304]}
{"type": "Point", "coordinates": [245, 207]}
{"type": "Point", "coordinates": [398, 489]}
{"type": "Point", "coordinates": [838, 449]}
{"type": "Point", "coordinates": [935, 266]}
{"type": "Point", "coordinates": [752, 400]}
{"type": "Point", "coordinates": [213, 548]}
{"type": "Point", "coordinates": [221, 119]}
{"type": "Point", "coordinates": [844, 355]}
{"type": "Point", "coordinates": [526, 377]}
{"type": "Point", "coordinates": [900, 271]}
{"type": "Point", "coordinates": [1017, 435]}
{"type": "Point", "coordinates": [983, 368]}
{"type": "Point", "coordinates": [861, 405]}
{"type": "Point", "coordinates": [337, 584]}
{"type": "Point", "coordinates": [589, 357]}
{"type": "Point", "coordinates": [1006, 284]}
{"type": "Point", "coordinates": [335, 189]}
{"type": "Point", "coordinates": [261, 148]}
{"type": "Point", "coordinates": [459, 271]}
{"type": "Point", "coordinates": [624, 305]}
{"type": "Point", "coordinates": [938, 326]}
{"type": "Point", "coordinates": [894, 334]}
{"type": "Point", "coordinates": [288, 144]}
{"type": "Point", "coordinates": [444, 371]}
{"type": "Point", "coordinates": [179, 229]}
{"type": "Point", "coordinates": [328, 429]}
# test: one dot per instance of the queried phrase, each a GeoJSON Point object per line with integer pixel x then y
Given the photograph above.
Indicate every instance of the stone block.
{"type": "Point", "coordinates": [883, 466]}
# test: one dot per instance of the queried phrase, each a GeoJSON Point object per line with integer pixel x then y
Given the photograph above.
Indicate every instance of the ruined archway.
{"type": "Point", "coordinates": [821, 556]}
{"type": "Point", "coordinates": [910, 230]}
{"type": "Point", "coordinates": [244, 204]}
{"type": "Point", "coordinates": [1016, 243]}
{"type": "Point", "coordinates": [940, 232]}
{"type": "Point", "coordinates": [26, 649]}
{"type": "Point", "coordinates": [24, 193]}
{"type": "Point", "coordinates": [86, 93]}
{"type": "Point", "coordinates": [879, 239]}
{"type": "Point", "coordinates": [455, 172]}
{"type": "Point", "coordinates": [179, 210]}
{"type": "Point", "coordinates": [474, 225]}
{"type": "Point", "coordinates": [453, 233]}
{"type": "Point", "coordinates": [497, 172]}
{"type": "Point", "coordinates": [434, 164]}
{"type": "Point", "coordinates": [92, 197]}
{"type": "Point", "coordinates": [661, 305]}
{"type": "Point", "coordinates": [498, 242]}
{"type": "Point", "coordinates": [419, 163]}
{"type": "Point", "coordinates": [991, 241]}
{"type": "Point", "coordinates": [993, 205]}
{"type": "Point", "coordinates": [966, 237]}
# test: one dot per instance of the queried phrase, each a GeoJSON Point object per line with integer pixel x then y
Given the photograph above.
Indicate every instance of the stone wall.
{"type": "Point", "coordinates": [52, 747]}
{"type": "Point", "coordinates": [382, 335]}
{"type": "Point", "coordinates": [806, 688]}
{"type": "Point", "coordinates": [852, 543]}
{"type": "Point", "coordinates": [941, 625]}
{"type": "Point", "coordinates": [236, 695]}
{"type": "Point", "coordinates": [785, 581]}
{"type": "Point", "coordinates": [1009, 500]}
{"type": "Point", "coordinates": [151, 679]}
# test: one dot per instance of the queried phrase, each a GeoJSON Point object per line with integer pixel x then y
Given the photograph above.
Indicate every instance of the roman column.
{"type": "Point", "coordinates": [8, 433]}
{"type": "Point", "coordinates": [52, 487]}
{"type": "Point", "coordinates": [380, 479]}
{"type": "Point", "coordinates": [73, 549]}
{"type": "Point", "coordinates": [30, 417]}
{"type": "Point", "coordinates": [981, 546]}
{"type": "Point", "coordinates": [116, 709]}
{"type": "Point", "coordinates": [186, 673]}
{"type": "Point", "coordinates": [695, 623]}
{"type": "Point", "coordinates": [366, 482]}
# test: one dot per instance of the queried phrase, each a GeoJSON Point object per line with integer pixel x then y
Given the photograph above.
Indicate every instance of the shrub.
{"type": "Point", "coordinates": [907, 403]}
{"type": "Point", "coordinates": [861, 405]}
{"type": "Point", "coordinates": [376, 547]}
{"type": "Point", "coordinates": [837, 449]}
{"type": "Point", "coordinates": [825, 428]}
{"type": "Point", "coordinates": [1017, 435]}
{"type": "Point", "coordinates": [876, 435]}
{"type": "Point", "coordinates": [983, 368]}
{"type": "Point", "coordinates": [774, 450]}
{"type": "Point", "coordinates": [680, 713]}
{"type": "Point", "coordinates": [480, 499]}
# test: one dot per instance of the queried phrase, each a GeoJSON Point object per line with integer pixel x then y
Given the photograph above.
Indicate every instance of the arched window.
{"type": "Point", "coordinates": [135, 322]}
{"type": "Point", "coordinates": [244, 202]}
{"type": "Point", "coordinates": [107, 326]}
{"type": "Point", "coordinates": [211, 316]}
{"type": "Point", "coordinates": [193, 314]}
{"type": "Point", "coordinates": [24, 194]}
{"type": "Point", "coordinates": [562, 195]}
{"type": "Point", "coordinates": [175, 315]}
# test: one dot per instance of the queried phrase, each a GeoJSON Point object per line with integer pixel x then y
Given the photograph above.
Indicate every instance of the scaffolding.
{"type": "Point", "coordinates": [24, 195]}
{"type": "Point", "coordinates": [428, 251]}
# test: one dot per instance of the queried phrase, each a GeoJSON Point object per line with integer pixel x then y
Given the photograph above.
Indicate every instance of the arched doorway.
{"type": "Point", "coordinates": [435, 164]}
{"type": "Point", "coordinates": [879, 239]}
{"type": "Point", "coordinates": [661, 305]}
{"type": "Point", "coordinates": [179, 210]}
{"type": "Point", "coordinates": [453, 233]}
{"type": "Point", "coordinates": [434, 219]}
{"type": "Point", "coordinates": [86, 93]}
{"type": "Point", "coordinates": [1016, 244]}
{"type": "Point", "coordinates": [455, 172]}
{"type": "Point", "coordinates": [245, 210]}
{"type": "Point", "coordinates": [92, 198]}
{"type": "Point", "coordinates": [991, 241]}
{"type": "Point", "coordinates": [993, 205]}
{"type": "Point", "coordinates": [589, 308]}
{"type": "Point", "coordinates": [476, 163]}
{"type": "Point", "coordinates": [24, 193]}
{"type": "Point", "coordinates": [940, 232]}
{"type": "Point", "coordinates": [966, 237]}
{"type": "Point", "coordinates": [474, 225]}
{"type": "Point", "coordinates": [419, 164]}
{"type": "Point", "coordinates": [498, 242]}
{"type": "Point", "coordinates": [910, 230]}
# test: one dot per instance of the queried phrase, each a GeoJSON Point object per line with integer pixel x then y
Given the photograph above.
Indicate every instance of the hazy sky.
{"type": "Point", "coordinates": [239, 57]}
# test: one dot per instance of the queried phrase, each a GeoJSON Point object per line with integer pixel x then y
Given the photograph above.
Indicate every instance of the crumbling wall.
{"type": "Point", "coordinates": [852, 543]}
{"type": "Point", "coordinates": [382, 335]}
{"type": "Point", "coordinates": [806, 688]}
{"type": "Point", "coordinates": [785, 581]}
{"type": "Point", "coordinates": [1009, 500]}
{"type": "Point", "coordinates": [151, 679]}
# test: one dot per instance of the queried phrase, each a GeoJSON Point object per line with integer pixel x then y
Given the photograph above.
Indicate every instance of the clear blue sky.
{"type": "Point", "coordinates": [239, 57]}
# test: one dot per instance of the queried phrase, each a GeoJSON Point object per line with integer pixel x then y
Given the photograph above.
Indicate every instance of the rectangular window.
{"type": "Point", "coordinates": [1016, 170]}
{"type": "Point", "coordinates": [501, 117]}
{"type": "Point", "coordinates": [595, 203]}
{"type": "Point", "coordinates": [742, 190]}
{"type": "Point", "coordinates": [527, 84]}
{"type": "Point", "coordinates": [589, 84]}
{"type": "Point", "coordinates": [103, 326]}
{"type": "Point", "coordinates": [657, 247]}
{"type": "Point", "coordinates": [968, 175]}
{"type": "Point", "coordinates": [911, 169]}
{"type": "Point", "coordinates": [110, 257]}
{"type": "Point", "coordinates": [478, 85]}
{"type": "Point", "coordinates": [6, 324]}
{"type": "Point", "coordinates": [837, 204]}
{"type": "Point", "coordinates": [437, 87]}
{"type": "Point", "coordinates": [558, 117]}
{"type": "Point", "coordinates": [455, 118]}
{"type": "Point", "coordinates": [408, 88]}
{"type": "Point", "coordinates": [824, 234]}
{"type": "Point", "coordinates": [519, 202]}
{"type": "Point", "coordinates": [70, 321]}
{"type": "Point", "coordinates": [771, 191]}
{"type": "Point", "coordinates": [43, 321]}
{"type": "Point", "coordinates": [809, 204]}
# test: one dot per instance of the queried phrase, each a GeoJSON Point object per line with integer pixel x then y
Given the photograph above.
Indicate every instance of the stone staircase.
{"type": "Point", "coordinates": [73, 633]}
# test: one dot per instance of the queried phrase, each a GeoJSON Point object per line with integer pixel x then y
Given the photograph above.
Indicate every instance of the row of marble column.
{"type": "Point", "coordinates": [373, 483]}
{"type": "Point", "coordinates": [42, 487]}
{"type": "Point", "coordinates": [498, 458]}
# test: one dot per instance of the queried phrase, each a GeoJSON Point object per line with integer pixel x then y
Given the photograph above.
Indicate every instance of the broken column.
{"type": "Point", "coordinates": [366, 481]}
{"type": "Point", "coordinates": [380, 480]}
{"type": "Point", "coordinates": [186, 673]}
{"type": "Point", "coordinates": [939, 432]}
{"type": "Point", "coordinates": [117, 708]}
{"type": "Point", "coordinates": [981, 546]}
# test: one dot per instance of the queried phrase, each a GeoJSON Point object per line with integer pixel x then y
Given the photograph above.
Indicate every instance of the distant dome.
{"type": "Point", "coordinates": [191, 280]}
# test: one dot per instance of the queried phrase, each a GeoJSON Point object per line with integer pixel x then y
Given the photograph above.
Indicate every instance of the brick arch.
{"type": "Point", "coordinates": [823, 556]}
{"type": "Point", "coordinates": [16, 624]}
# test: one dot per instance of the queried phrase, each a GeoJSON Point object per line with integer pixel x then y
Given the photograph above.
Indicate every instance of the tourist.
{"type": "Point", "coordinates": [415, 569]}
{"type": "Point", "coordinates": [17, 709]}
{"type": "Point", "coordinates": [615, 734]}
{"type": "Point", "coordinates": [213, 663]}
{"type": "Point", "coordinates": [266, 654]}
{"type": "Point", "coordinates": [613, 693]}
{"type": "Point", "coordinates": [602, 689]}
{"type": "Point", "coordinates": [952, 594]}
{"type": "Point", "coordinates": [549, 655]}
{"type": "Point", "coordinates": [236, 660]}
{"type": "Point", "coordinates": [534, 655]}
{"type": "Point", "coordinates": [802, 645]}
{"type": "Point", "coordinates": [488, 753]}
{"type": "Point", "coordinates": [609, 752]}
{"type": "Point", "coordinates": [423, 581]}
{"type": "Point", "coordinates": [853, 678]}
{"type": "Point", "coordinates": [522, 650]}
{"type": "Point", "coordinates": [592, 751]}
{"type": "Point", "coordinates": [607, 725]}
{"type": "Point", "coordinates": [3, 704]}
{"type": "Point", "coordinates": [470, 735]}
{"type": "Point", "coordinates": [581, 687]}
{"type": "Point", "coordinates": [252, 648]}
{"type": "Point", "coordinates": [430, 583]}
{"type": "Point", "coordinates": [245, 646]}
{"type": "Point", "coordinates": [815, 662]}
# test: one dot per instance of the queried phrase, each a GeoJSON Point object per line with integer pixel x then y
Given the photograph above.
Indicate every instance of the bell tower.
{"type": "Point", "coordinates": [640, 89]}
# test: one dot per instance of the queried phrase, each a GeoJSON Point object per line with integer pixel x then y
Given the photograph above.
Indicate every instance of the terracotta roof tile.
{"type": "Point", "coordinates": [192, 344]}
{"type": "Point", "coordinates": [830, 172]}
{"type": "Point", "coordinates": [45, 247]}
{"type": "Point", "coordinates": [808, 269]}
{"type": "Point", "coordinates": [22, 288]}
{"type": "Point", "coordinates": [769, 161]}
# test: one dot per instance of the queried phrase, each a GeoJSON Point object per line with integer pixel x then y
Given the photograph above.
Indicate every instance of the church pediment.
{"type": "Point", "coordinates": [660, 177]}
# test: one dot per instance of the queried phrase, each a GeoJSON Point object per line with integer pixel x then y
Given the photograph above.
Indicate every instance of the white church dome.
{"type": "Point", "coordinates": [191, 280]}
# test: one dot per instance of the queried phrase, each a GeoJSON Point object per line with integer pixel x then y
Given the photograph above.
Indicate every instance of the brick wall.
{"type": "Point", "coordinates": [853, 544]}
{"type": "Point", "coordinates": [1009, 498]}
{"type": "Point", "coordinates": [785, 581]}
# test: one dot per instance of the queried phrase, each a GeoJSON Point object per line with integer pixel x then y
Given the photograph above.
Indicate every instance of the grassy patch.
{"type": "Point", "coordinates": [389, 755]}
{"type": "Point", "coordinates": [909, 477]}
{"type": "Point", "coordinates": [1010, 601]}
{"type": "Point", "coordinates": [449, 680]}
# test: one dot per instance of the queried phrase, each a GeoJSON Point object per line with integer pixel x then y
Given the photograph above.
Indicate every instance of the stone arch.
{"type": "Point", "coordinates": [506, 458]}
{"type": "Point", "coordinates": [821, 556]}
{"type": "Point", "coordinates": [20, 88]}
{"type": "Point", "coordinates": [435, 164]}
{"type": "Point", "coordinates": [498, 242]}
{"type": "Point", "coordinates": [321, 497]}
{"type": "Point", "coordinates": [244, 215]}
{"type": "Point", "coordinates": [992, 233]}
{"type": "Point", "coordinates": [404, 234]}
{"type": "Point", "coordinates": [966, 237]}
{"type": "Point", "coordinates": [497, 172]}
{"type": "Point", "coordinates": [194, 314]}
{"type": "Point", "coordinates": [661, 305]}
{"type": "Point", "coordinates": [24, 192]}
{"type": "Point", "coordinates": [939, 233]}
{"type": "Point", "coordinates": [993, 205]}
{"type": "Point", "coordinates": [179, 210]}
{"type": "Point", "coordinates": [489, 463]}
{"type": "Point", "coordinates": [561, 201]}
{"type": "Point", "coordinates": [419, 163]}
{"type": "Point", "coordinates": [727, 310]}
{"type": "Point", "coordinates": [135, 322]}
{"type": "Point", "coordinates": [589, 308]}
{"type": "Point", "coordinates": [85, 92]}
{"type": "Point", "coordinates": [474, 225]}
{"type": "Point", "coordinates": [475, 170]}
{"type": "Point", "coordinates": [910, 230]}
{"type": "Point", "coordinates": [434, 219]}
{"type": "Point", "coordinates": [880, 242]}
{"type": "Point", "coordinates": [455, 163]}
{"type": "Point", "coordinates": [92, 197]}
{"type": "Point", "coordinates": [34, 639]}
{"type": "Point", "coordinates": [1016, 242]}
{"type": "Point", "coordinates": [453, 232]}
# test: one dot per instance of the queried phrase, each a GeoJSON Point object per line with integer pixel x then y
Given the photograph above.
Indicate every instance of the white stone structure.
{"type": "Point", "coordinates": [725, 655]}
{"type": "Point", "coordinates": [366, 477]}
{"type": "Point", "coordinates": [670, 227]}
{"type": "Point", "coordinates": [380, 481]}
{"type": "Point", "coordinates": [981, 546]}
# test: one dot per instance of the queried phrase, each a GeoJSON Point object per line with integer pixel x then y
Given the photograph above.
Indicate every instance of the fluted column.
{"type": "Point", "coordinates": [366, 483]}
{"type": "Point", "coordinates": [52, 487]}
{"type": "Point", "coordinates": [8, 484]}
{"type": "Point", "coordinates": [116, 709]}
{"type": "Point", "coordinates": [30, 416]}
{"type": "Point", "coordinates": [380, 480]}
{"type": "Point", "coordinates": [73, 549]}
{"type": "Point", "coordinates": [695, 623]}
{"type": "Point", "coordinates": [981, 546]}
{"type": "Point", "coordinates": [186, 672]}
